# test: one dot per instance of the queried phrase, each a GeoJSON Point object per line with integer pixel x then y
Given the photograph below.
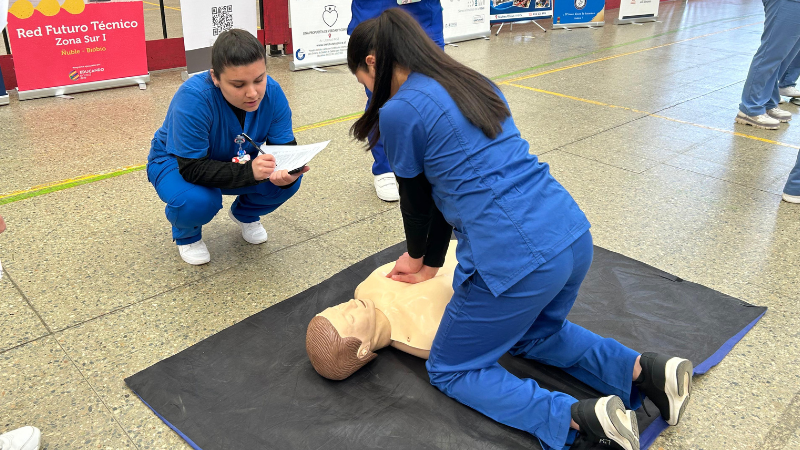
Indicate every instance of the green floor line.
{"type": "Point", "coordinates": [91, 179]}
{"type": "Point", "coordinates": [60, 187]}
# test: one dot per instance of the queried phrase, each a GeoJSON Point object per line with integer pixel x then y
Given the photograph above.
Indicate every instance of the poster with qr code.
{"type": "Point", "coordinates": [205, 20]}
{"type": "Point", "coordinates": [319, 32]}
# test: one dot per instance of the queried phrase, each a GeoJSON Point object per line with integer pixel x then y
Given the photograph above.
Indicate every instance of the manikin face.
{"type": "Point", "coordinates": [355, 318]}
{"type": "Point", "coordinates": [367, 78]}
{"type": "Point", "coordinates": [243, 86]}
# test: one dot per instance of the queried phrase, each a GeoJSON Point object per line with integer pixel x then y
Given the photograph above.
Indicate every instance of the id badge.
{"type": "Point", "coordinates": [406, 2]}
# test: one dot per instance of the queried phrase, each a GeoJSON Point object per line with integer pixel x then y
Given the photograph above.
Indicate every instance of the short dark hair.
{"type": "Point", "coordinates": [236, 47]}
{"type": "Point", "coordinates": [333, 356]}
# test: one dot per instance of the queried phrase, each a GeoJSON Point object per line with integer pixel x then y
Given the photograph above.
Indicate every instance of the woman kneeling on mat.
{"type": "Point", "coordinates": [206, 147]}
{"type": "Point", "coordinates": [523, 247]}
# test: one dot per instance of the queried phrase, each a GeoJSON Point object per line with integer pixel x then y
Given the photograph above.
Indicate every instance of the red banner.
{"type": "Point", "coordinates": [73, 43]}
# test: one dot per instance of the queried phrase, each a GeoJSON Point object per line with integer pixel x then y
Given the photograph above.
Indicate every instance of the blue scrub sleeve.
{"type": "Point", "coordinates": [280, 130]}
{"type": "Point", "coordinates": [189, 135]}
{"type": "Point", "coordinates": [405, 137]}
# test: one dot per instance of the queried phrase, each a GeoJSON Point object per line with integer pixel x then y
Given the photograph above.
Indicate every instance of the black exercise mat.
{"type": "Point", "coordinates": [252, 386]}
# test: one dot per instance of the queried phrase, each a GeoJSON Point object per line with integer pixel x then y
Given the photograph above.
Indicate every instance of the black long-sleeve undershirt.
{"type": "Point", "coordinates": [427, 232]}
{"type": "Point", "coordinates": [222, 174]}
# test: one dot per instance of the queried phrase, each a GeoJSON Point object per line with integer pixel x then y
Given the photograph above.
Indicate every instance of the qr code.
{"type": "Point", "coordinates": [222, 18]}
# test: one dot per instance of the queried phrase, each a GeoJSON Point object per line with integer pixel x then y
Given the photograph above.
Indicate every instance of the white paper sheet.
{"type": "Point", "coordinates": [290, 157]}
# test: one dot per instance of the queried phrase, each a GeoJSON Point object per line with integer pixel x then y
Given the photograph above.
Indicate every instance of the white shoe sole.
{"type": "Point", "coordinates": [744, 121]}
{"type": "Point", "coordinates": [195, 262]}
{"type": "Point", "coordinates": [619, 425]}
{"type": "Point", "coordinates": [678, 375]}
{"type": "Point", "coordinates": [791, 198]}
{"type": "Point", "coordinates": [782, 120]}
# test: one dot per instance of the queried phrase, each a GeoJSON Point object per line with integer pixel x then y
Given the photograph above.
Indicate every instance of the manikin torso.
{"type": "Point", "coordinates": [414, 310]}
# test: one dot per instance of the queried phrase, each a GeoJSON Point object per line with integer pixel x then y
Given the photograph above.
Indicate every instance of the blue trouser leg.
{"type": "Point", "coordinates": [793, 183]}
{"type": "Point", "coordinates": [381, 164]}
{"type": "Point", "coordinates": [779, 45]}
{"type": "Point", "coordinates": [792, 73]}
{"type": "Point", "coordinates": [190, 206]}
{"type": "Point", "coordinates": [528, 319]}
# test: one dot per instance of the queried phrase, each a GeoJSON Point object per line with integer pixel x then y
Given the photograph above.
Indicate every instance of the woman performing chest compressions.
{"type": "Point", "coordinates": [201, 152]}
{"type": "Point", "coordinates": [523, 247]}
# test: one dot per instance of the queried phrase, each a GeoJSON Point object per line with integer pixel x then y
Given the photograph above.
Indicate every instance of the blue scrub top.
{"type": "Point", "coordinates": [200, 122]}
{"type": "Point", "coordinates": [427, 12]}
{"type": "Point", "coordinates": [509, 214]}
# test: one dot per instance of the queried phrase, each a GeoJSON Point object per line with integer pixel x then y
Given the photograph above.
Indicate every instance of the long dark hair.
{"type": "Point", "coordinates": [396, 39]}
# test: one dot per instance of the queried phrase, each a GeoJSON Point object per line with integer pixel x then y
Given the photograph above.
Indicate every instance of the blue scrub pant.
{"type": "Point", "coordinates": [793, 183]}
{"type": "Point", "coordinates": [527, 320]}
{"type": "Point", "coordinates": [780, 44]}
{"type": "Point", "coordinates": [190, 206]}
{"type": "Point", "coordinates": [789, 78]}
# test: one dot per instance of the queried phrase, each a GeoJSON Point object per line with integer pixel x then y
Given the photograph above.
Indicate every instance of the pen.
{"type": "Point", "coordinates": [253, 143]}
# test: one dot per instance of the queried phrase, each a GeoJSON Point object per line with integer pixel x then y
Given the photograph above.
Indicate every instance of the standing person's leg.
{"type": "Point", "coordinates": [787, 84]}
{"type": "Point", "coordinates": [779, 38]}
{"type": "Point", "coordinates": [385, 182]}
{"type": "Point", "coordinates": [189, 207]}
{"type": "Point", "coordinates": [602, 363]}
{"type": "Point", "coordinates": [784, 69]}
{"type": "Point", "coordinates": [478, 328]}
{"type": "Point", "coordinates": [253, 202]}
{"type": "Point", "coordinates": [791, 191]}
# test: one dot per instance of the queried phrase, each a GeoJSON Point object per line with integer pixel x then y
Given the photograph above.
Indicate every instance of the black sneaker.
{"type": "Point", "coordinates": [667, 382]}
{"type": "Point", "coordinates": [605, 421]}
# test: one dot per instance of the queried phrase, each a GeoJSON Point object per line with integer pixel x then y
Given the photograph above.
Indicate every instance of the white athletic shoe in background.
{"type": "Point", "coordinates": [252, 232]}
{"type": "Point", "coordinates": [386, 187]}
{"type": "Point", "coordinates": [790, 91]}
{"type": "Point", "coordinates": [195, 253]}
{"type": "Point", "coordinates": [779, 114]}
{"type": "Point", "coordinates": [761, 121]}
{"type": "Point", "coordinates": [25, 438]}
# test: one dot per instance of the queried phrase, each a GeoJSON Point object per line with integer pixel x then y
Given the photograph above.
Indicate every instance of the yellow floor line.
{"type": "Point", "coordinates": [56, 184]}
{"type": "Point", "coordinates": [547, 72]}
{"type": "Point", "coordinates": [156, 4]}
{"type": "Point", "coordinates": [593, 102]}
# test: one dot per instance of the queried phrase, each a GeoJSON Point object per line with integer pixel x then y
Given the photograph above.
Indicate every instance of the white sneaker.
{"type": "Point", "coordinates": [779, 114]}
{"type": "Point", "coordinates": [790, 91]}
{"type": "Point", "coordinates": [252, 232]}
{"type": "Point", "coordinates": [761, 121]}
{"type": "Point", "coordinates": [25, 438]}
{"type": "Point", "coordinates": [386, 187]}
{"type": "Point", "coordinates": [791, 198]}
{"type": "Point", "coordinates": [195, 253]}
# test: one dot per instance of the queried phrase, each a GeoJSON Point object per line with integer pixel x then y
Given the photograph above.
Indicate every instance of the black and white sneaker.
{"type": "Point", "coordinates": [605, 421]}
{"type": "Point", "coordinates": [667, 382]}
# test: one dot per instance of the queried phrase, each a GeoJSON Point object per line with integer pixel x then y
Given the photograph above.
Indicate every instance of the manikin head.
{"type": "Point", "coordinates": [341, 339]}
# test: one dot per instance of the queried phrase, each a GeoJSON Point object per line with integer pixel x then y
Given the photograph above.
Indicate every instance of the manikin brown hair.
{"type": "Point", "coordinates": [333, 356]}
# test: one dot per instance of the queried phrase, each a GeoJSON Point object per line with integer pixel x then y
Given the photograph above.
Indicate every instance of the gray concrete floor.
{"type": "Point", "coordinates": [635, 121]}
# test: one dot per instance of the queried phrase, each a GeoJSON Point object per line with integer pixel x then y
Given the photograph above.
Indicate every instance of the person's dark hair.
{"type": "Point", "coordinates": [396, 39]}
{"type": "Point", "coordinates": [236, 47]}
{"type": "Point", "coordinates": [333, 356]}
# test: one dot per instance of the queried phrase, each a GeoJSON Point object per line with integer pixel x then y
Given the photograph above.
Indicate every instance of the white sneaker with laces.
{"type": "Point", "coordinates": [761, 121]}
{"type": "Point", "coordinates": [790, 91]}
{"type": "Point", "coordinates": [791, 198]}
{"type": "Point", "coordinates": [386, 187]}
{"type": "Point", "coordinates": [252, 232]}
{"type": "Point", "coordinates": [195, 253]}
{"type": "Point", "coordinates": [25, 438]}
{"type": "Point", "coordinates": [779, 114]}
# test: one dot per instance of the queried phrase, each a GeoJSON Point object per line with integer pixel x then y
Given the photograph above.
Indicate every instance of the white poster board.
{"type": "Point", "coordinates": [204, 20]}
{"type": "Point", "coordinates": [465, 20]}
{"type": "Point", "coordinates": [319, 32]}
{"type": "Point", "coordinates": [631, 11]}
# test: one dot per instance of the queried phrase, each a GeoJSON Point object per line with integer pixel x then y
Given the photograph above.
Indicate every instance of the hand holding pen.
{"type": "Point", "coordinates": [264, 167]}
